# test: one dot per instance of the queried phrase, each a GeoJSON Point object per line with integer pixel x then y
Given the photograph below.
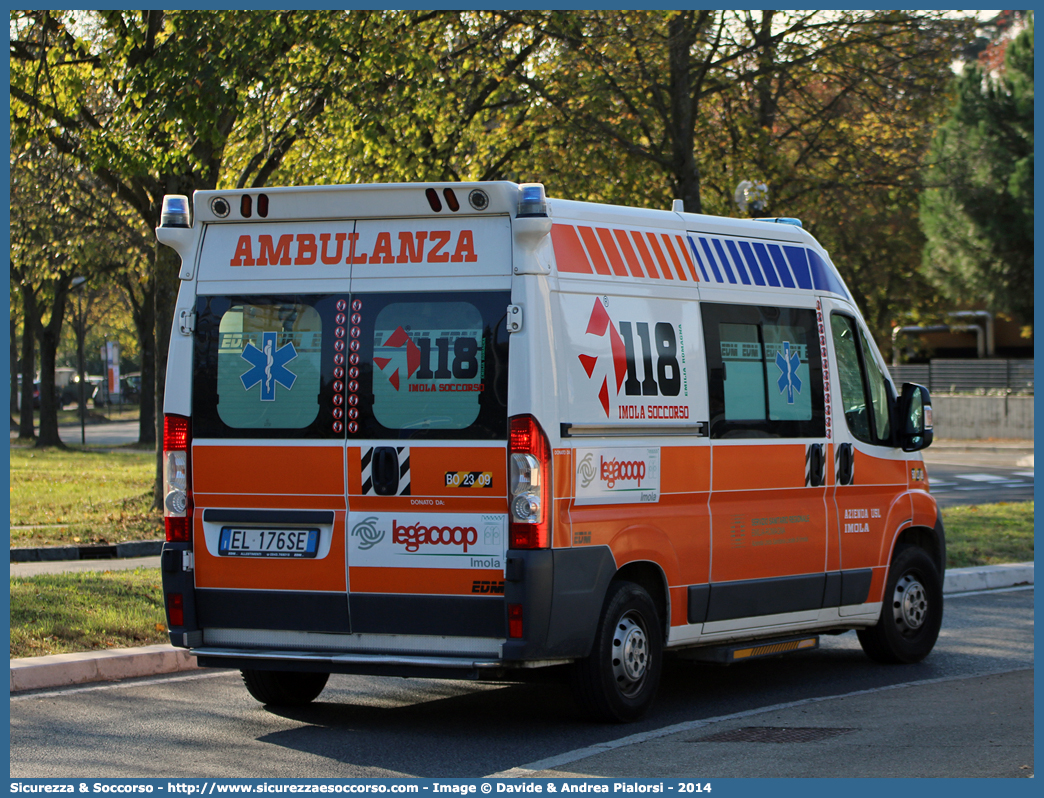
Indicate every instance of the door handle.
{"type": "Point", "coordinates": [845, 464]}
{"type": "Point", "coordinates": [384, 471]}
{"type": "Point", "coordinates": [814, 471]}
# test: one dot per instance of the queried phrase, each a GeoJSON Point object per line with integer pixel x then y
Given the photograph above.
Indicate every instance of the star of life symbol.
{"type": "Point", "coordinates": [788, 365]}
{"type": "Point", "coordinates": [268, 366]}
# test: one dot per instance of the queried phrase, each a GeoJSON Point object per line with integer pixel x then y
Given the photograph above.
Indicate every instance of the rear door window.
{"type": "Point", "coordinates": [397, 365]}
{"type": "Point", "coordinates": [267, 366]}
{"type": "Point", "coordinates": [433, 365]}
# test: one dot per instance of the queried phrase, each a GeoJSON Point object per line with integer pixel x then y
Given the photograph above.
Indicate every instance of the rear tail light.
{"type": "Point", "coordinates": [177, 495]}
{"type": "Point", "coordinates": [529, 474]}
{"type": "Point", "coordinates": [515, 620]}
{"type": "Point", "coordinates": [176, 609]}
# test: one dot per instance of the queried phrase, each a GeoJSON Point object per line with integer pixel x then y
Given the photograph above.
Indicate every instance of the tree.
{"type": "Point", "coordinates": [685, 104]}
{"type": "Point", "coordinates": [978, 212]}
{"type": "Point", "coordinates": [57, 233]}
{"type": "Point", "coordinates": [147, 101]}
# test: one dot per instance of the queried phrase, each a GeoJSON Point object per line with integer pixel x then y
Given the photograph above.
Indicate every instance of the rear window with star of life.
{"type": "Point", "coordinates": [268, 363]}
{"type": "Point", "coordinates": [263, 367]}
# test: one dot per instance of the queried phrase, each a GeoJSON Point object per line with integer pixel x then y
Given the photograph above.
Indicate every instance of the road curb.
{"type": "Point", "coordinates": [64, 670]}
{"type": "Point", "coordinates": [988, 577]}
{"type": "Point", "coordinates": [134, 548]}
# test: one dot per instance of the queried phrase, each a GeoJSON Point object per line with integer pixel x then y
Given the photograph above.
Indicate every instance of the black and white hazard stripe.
{"type": "Point", "coordinates": [403, 453]}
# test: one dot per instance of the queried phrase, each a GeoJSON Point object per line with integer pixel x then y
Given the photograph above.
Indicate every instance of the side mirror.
{"type": "Point", "coordinates": [915, 418]}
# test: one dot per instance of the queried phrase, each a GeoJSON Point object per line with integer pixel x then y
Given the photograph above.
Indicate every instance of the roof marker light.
{"type": "Point", "coordinates": [175, 211]}
{"type": "Point", "coordinates": [262, 205]}
{"type": "Point", "coordinates": [433, 199]}
{"type": "Point", "coordinates": [451, 199]}
{"type": "Point", "coordinates": [782, 220]}
{"type": "Point", "coordinates": [245, 206]}
{"type": "Point", "coordinates": [532, 201]}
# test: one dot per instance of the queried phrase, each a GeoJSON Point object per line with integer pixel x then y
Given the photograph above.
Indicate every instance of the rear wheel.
{"type": "Point", "coordinates": [284, 688]}
{"type": "Point", "coordinates": [911, 615]}
{"type": "Point", "coordinates": [618, 681]}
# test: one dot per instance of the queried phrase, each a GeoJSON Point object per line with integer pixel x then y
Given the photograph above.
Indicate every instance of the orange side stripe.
{"type": "Point", "coordinates": [569, 252]}
{"type": "Point", "coordinates": [674, 255]}
{"type": "Point", "coordinates": [659, 256]}
{"type": "Point", "coordinates": [595, 251]}
{"type": "Point", "coordinates": [684, 247]}
{"type": "Point", "coordinates": [434, 581]}
{"type": "Point", "coordinates": [650, 264]}
{"type": "Point", "coordinates": [632, 259]}
{"type": "Point", "coordinates": [610, 249]}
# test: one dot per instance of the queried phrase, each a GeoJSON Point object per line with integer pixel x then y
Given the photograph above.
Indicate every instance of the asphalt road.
{"type": "Point", "coordinates": [975, 483]}
{"type": "Point", "coordinates": [969, 713]}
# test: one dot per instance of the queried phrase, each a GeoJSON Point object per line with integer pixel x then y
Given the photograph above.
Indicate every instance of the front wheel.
{"type": "Point", "coordinates": [618, 680]}
{"type": "Point", "coordinates": [284, 688]}
{"type": "Point", "coordinates": [911, 614]}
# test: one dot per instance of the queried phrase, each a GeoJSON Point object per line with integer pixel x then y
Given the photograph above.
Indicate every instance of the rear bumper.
{"type": "Point", "coordinates": [444, 667]}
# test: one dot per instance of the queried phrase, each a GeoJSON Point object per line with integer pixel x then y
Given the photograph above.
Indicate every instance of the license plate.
{"type": "Point", "coordinates": [253, 542]}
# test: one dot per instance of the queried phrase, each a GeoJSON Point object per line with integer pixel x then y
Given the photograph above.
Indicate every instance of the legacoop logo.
{"type": "Point", "coordinates": [368, 533]}
{"type": "Point", "coordinates": [615, 470]}
{"type": "Point", "coordinates": [416, 535]}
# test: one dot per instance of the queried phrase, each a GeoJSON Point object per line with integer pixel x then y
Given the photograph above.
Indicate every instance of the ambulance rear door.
{"type": "Point", "coordinates": [268, 436]}
{"type": "Point", "coordinates": [426, 422]}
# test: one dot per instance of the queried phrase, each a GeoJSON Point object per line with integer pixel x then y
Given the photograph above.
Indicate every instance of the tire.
{"type": "Point", "coordinates": [617, 682]}
{"type": "Point", "coordinates": [284, 688]}
{"type": "Point", "coordinates": [912, 611]}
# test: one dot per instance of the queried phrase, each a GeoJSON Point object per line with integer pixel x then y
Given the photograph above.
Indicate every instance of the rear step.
{"type": "Point", "coordinates": [741, 652]}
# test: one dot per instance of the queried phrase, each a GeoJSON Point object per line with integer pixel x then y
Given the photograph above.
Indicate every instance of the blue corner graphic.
{"type": "Point", "coordinates": [269, 366]}
{"type": "Point", "coordinates": [788, 365]}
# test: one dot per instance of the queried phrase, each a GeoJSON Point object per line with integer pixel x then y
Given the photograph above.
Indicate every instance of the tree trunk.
{"type": "Point", "coordinates": [147, 346]}
{"type": "Point", "coordinates": [14, 369]}
{"type": "Point", "coordinates": [168, 264]}
{"type": "Point", "coordinates": [681, 32]}
{"type": "Point", "coordinates": [29, 313]}
{"type": "Point", "coordinates": [143, 313]}
{"type": "Point", "coordinates": [50, 334]}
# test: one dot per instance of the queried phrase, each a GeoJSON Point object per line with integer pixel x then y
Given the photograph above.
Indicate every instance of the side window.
{"type": "Point", "coordinates": [850, 377]}
{"type": "Point", "coordinates": [878, 393]}
{"type": "Point", "coordinates": [765, 372]}
{"type": "Point", "coordinates": [864, 389]}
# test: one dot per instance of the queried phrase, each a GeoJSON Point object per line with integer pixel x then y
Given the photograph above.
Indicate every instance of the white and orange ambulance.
{"type": "Point", "coordinates": [468, 431]}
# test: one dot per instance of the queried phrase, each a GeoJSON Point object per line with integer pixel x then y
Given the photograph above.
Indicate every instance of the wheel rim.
{"type": "Point", "coordinates": [630, 654]}
{"type": "Point", "coordinates": [910, 604]}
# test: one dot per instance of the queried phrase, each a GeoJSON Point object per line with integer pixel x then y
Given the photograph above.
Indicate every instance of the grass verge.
{"type": "Point", "coordinates": [988, 534]}
{"type": "Point", "coordinates": [86, 611]}
{"type": "Point", "coordinates": [76, 497]}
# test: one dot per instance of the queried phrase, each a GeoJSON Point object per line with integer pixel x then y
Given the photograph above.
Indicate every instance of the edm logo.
{"type": "Point", "coordinates": [623, 470]}
{"type": "Point", "coordinates": [661, 375]}
{"type": "Point", "coordinates": [417, 535]}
